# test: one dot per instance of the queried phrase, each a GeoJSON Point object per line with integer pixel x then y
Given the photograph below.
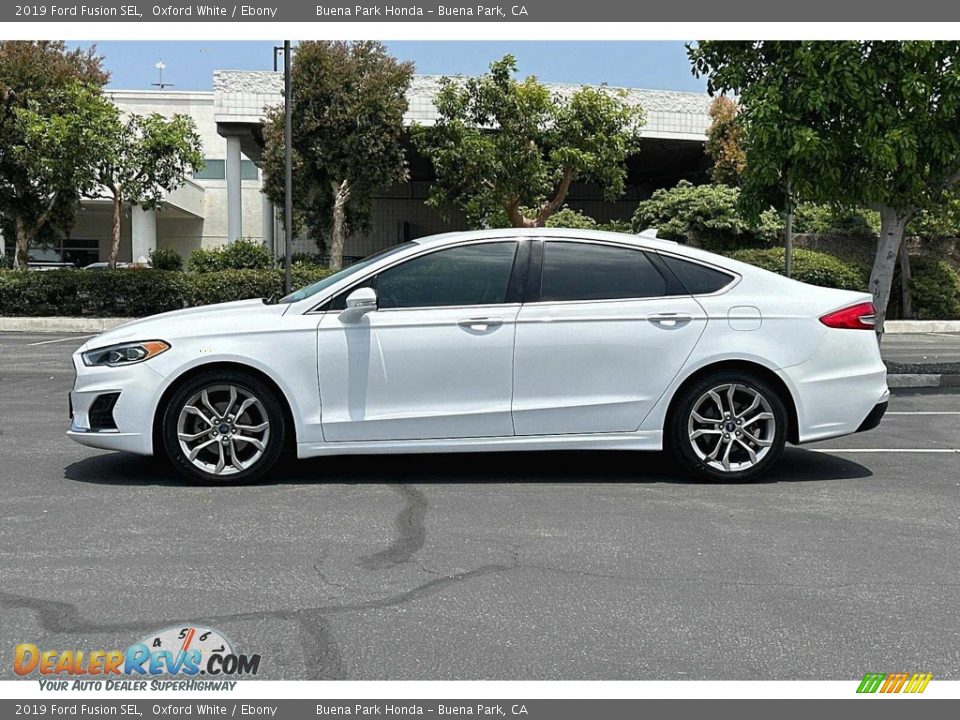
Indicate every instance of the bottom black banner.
{"type": "Point", "coordinates": [875, 708]}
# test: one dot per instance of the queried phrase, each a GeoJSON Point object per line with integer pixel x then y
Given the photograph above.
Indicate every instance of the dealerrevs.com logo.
{"type": "Point", "coordinates": [175, 652]}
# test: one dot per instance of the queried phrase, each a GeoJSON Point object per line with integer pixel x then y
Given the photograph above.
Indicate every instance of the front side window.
{"type": "Point", "coordinates": [330, 280]}
{"type": "Point", "coordinates": [468, 275]}
{"type": "Point", "coordinates": [588, 271]}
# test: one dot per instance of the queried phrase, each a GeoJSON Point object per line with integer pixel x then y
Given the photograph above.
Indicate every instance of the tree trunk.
{"type": "Point", "coordinates": [115, 229]}
{"type": "Point", "coordinates": [516, 218]}
{"type": "Point", "coordinates": [905, 277]}
{"type": "Point", "coordinates": [338, 230]}
{"type": "Point", "coordinates": [892, 224]}
{"type": "Point", "coordinates": [556, 202]}
{"type": "Point", "coordinates": [25, 235]}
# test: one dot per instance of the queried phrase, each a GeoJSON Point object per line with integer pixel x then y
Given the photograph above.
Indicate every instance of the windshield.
{"type": "Point", "coordinates": [330, 280]}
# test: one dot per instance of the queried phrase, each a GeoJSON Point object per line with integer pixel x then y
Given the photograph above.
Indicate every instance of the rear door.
{"type": "Point", "coordinates": [605, 331]}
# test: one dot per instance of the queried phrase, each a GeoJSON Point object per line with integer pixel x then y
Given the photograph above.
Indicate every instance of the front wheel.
{"type": "Point", "coordinates": [728, 427]}
{"type": "Point", "coordinates": [223, 428]}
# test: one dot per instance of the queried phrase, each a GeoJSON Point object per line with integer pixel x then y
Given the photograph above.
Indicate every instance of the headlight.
{"type": "Point", "coordinates": [124, 353]}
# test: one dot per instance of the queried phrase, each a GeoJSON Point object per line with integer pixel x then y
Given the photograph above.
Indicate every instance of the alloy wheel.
{"type": "Point", "coordinates": [731, 427]}
{"type": "Point", "coordinates": [223, 429]}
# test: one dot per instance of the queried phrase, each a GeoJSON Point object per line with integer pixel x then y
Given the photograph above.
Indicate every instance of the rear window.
{"type": "Point", "coordinates": [590, 271]}
{"type": "Point", "coordinates": [697, 279]}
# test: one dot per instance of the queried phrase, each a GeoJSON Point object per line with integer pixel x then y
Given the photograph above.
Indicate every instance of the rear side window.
{"type": "Point", "coordinates": [470, 275]}
{"type": "Point", "coordinates": [587, 271]}
{"type": "Point", "coordinates": [697, 279]}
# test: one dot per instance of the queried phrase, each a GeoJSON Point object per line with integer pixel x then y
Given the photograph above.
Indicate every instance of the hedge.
{"type": "Point", "coordinates": [136, 293]}
{"type": "Point", "coordinates": [809, 266]}
{"type": "Point", "coordinates": [242, 254]}
{"type": "Point", "coordinates": [935, 288]}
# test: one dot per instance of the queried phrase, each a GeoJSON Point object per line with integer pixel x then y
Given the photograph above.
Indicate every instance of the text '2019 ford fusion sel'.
{"type": "Point", "coordinates": [494, 340]}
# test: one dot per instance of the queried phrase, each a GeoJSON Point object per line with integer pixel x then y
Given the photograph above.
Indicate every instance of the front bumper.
{"type": "Point", "coordinates": [138, 387]}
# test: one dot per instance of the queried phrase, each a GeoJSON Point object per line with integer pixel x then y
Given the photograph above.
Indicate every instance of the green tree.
{"type": "Point", "coordinates": [48, 99]}
{"type": "Point", "coordinates": [145, 157]}
{"type": "Point", "coordinates": [873, 124]}
{"type": "Point", "coordinates": [501, 144]}
{"type": "Point", "coordinates": [723, 142]}
{"type": "Point", "coordinates": [348, 106]}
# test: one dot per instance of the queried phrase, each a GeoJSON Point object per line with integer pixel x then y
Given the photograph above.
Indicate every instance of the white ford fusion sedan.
{"type": "Point", "coordinates": [488, 341]}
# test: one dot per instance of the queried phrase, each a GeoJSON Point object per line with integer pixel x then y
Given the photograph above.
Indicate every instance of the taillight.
{"type": "Point", "coordinates": [862, 316]}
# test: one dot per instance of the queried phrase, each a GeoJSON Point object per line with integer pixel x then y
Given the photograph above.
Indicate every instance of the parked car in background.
{"type": "Point", "coordinates": [44, 266]}
{"type": "Point", "coordinates": [105, 266]}
{"type": "Point", "coordinates": [499, 340]}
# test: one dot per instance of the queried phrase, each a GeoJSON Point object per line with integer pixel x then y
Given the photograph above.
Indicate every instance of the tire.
{"type": "Point", "coordinates": [237, 449]}
{"type": "Point", "coordinates": [700, 441]}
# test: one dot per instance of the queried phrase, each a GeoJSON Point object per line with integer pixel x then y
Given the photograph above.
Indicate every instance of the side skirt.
{"type": "Point", "coordinates": [646, 440]}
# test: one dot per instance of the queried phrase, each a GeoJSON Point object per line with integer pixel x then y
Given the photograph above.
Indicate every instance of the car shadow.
{"type": "Point", "coordinates": [796, 465]}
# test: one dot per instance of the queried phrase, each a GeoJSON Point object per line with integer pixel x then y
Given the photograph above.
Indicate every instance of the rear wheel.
{"type": "Point", "coordinates": [728, 427]}
{"type": "Point", "coordinates": [223, 428]}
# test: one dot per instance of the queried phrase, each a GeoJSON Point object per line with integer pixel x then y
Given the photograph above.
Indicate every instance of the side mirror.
{"type": "Point", "coordinates": [361, 301]}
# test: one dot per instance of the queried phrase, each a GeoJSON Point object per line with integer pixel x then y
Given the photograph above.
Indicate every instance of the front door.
{"type": "Point", "coordinates": [434, 360]}
{"type": "Point", "coordinates": [601, 343]}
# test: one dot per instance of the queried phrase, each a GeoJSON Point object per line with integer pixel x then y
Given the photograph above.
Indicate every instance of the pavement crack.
{"type": "Point", "coordinates": [322, 658]}
{"type": "Point", "coordinates": [411, 532]}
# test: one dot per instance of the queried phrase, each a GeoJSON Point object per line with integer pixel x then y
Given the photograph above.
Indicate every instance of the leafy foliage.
{"type": "Point", "coordinates": [935, 287]}
{"type": "Point", "coordinates": [166, 259]}
{"type": "Point", "coordinates": [50, 107]}
{"type": "Point", "coordinates": [563, 218]}
{"type": "Point", "coordinates": [136, 293]}
{"type": "Point", "coordinates": [809, 266]}
{"type": "Point", "coordinates": [243, 254]}
{"type": "Point", "coordinates": [347, 112]}
{"type": "Point", "coordinates": [501, 144]}
{"type": "Point", "coordinates": [144, 157]}
{"type": "Point", "coordinates": [724, 142]}
{"type": "Point", "coordinates": [707, 215]}
{"type": "Point", "coordinates": [857, 123]}
{"type": "Point", "coordinates": [940, 221]}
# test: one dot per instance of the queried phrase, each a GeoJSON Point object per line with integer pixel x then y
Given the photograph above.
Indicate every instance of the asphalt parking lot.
{"type": "Point", "coordinates": [532, 566]}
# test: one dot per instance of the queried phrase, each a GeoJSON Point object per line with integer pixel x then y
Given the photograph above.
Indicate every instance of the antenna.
{"type": "Point", "coordinates": [160, 66]}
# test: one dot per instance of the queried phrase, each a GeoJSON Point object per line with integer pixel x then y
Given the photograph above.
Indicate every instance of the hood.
{"type": "Point", "coordinates": [164, 325]}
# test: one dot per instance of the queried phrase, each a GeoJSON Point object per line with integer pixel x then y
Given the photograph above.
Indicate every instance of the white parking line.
{"type": "Point", "coordinates": [953, 451]}
{"type": "Point", "coordinates": [925, 412]}
{"type": "Point", "coordinates": [50, 342]}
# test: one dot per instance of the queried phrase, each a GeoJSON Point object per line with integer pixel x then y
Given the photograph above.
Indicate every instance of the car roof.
{"type": "Point", "coordinates": [646, 239]}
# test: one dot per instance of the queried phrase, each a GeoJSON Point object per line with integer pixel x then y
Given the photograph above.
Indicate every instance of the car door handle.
{"type": "Point", "coordinates": [482, 324]}
{"type": "Point", "coordinates": [668, 321]}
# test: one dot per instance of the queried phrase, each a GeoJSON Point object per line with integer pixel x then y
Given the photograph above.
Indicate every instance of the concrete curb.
{"type": "Point", "coordinates": [59, 324]}
{"type": "Point", "coordinates": [902, 327]}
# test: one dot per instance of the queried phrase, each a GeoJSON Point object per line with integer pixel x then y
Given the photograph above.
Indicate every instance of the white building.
{"type": "Point", "coordinates": [224, 202]}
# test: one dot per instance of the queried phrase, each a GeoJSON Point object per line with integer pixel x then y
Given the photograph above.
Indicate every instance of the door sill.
{"type": "Point", "coordinates": [646, 440]}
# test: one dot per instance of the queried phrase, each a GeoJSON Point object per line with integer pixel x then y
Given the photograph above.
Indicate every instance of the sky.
{"type": "Point", "coordinates": [190, 64]}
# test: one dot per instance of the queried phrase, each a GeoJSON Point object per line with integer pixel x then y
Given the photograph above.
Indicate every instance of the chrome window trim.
{"type": "Point", "coordinates": [315, 310]}
{"type": "Point", "coordinates": [735, 277]}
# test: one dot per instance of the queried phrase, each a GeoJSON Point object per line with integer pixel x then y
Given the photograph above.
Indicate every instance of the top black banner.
{"type": "Point", "coordinates": [454, 11]}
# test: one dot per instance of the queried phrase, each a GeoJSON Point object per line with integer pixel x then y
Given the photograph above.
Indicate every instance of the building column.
{"type": "Point", "coordinates": [143, 233]}
{"type": "Point", "coordinates": [234, 190]}
{"type": "Point", "coordinates": [266, 220]}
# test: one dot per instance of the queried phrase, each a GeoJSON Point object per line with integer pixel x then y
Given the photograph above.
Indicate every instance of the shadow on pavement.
{"type": "Point", "coordinates": [796, 465]}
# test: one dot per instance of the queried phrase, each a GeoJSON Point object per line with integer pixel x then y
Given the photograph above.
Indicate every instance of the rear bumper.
{"type": "Point", "coordinates": [874, 418]}
{"type": "Point", "coordinates": [838, 390]}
